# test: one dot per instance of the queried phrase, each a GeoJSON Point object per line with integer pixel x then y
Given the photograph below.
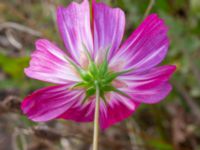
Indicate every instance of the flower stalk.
{"type": "Point", "coordinates": [96, 118]}
{"type": "Point", "coordinates": [150, 6]}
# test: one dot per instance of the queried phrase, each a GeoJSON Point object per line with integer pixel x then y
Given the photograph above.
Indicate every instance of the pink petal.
{"type": "Point", "coordinates": [160, 74]}
{"type": "Point", "coordinates": [150, 86]}
{"type": "Point", "coordinates": [109, 27]}
{"type": "Point", "coordinates": [150, 95]}
{"type": "Point", "coordinates": [48, 63]}
{"type": "Point", "coordinates": [117, 109]}
{"type": "Point", "coordinates": [48, 103]}
{"type": "Point", "coordinates": [80, 112]}
{"type": "Point", "coordinates": [146, 47]}
{"type": "Point", "coordinates": [74, 26]}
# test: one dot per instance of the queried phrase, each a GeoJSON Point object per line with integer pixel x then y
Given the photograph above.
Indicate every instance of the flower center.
{"type": "Point", "coordinates": [97, 74]}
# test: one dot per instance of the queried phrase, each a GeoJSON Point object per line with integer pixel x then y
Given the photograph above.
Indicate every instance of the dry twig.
{"type": "Point", "coordinates": [19, 27]}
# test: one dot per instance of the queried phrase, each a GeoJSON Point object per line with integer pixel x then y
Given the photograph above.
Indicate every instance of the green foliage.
{"type": "Point", "coordinates": [13, 66]}
{"type": "Point", "coordinates": [159, 145]}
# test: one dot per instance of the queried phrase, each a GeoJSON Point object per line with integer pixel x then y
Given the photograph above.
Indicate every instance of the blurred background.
{"type": "Point", "coordinates": [172, 124]}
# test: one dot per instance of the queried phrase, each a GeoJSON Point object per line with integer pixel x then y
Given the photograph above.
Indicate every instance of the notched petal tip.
{"type": "Point", "coordinates": [162, 94]}
{"type": "Point", "coordinates": [48, 63]}
{"type": "Point", "coordinates": [61, 10]}
{"type": "Point", "coordinates": [153, 15]}
{"type": "Point", "coordinates": [109, 26]}
{"type": "Point", "coordinates": [26, 71]}
{"type": "Point", "coordinates": [48, 103]}
{"type": "Point", "coordinates": [174, 67]}
{"type": "Point", "coordinates": [72, 4]}
{"type": "Point", "coordinates": [170, 68]}
{"type": "Point", "coordinates": [146, 47]}
{"type": "Point", "coordinates": [40, 42]}
{"type": "Point", "coordinates": [73, 23]}
{"type": "Point", "coordinates": [150, 86]}
{"type": "Point", "coordinates": [158, 19]}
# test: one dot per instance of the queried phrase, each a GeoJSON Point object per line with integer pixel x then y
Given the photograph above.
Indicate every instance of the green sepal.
{"type": "Point", "coordinates": [97, 75]}
{"type": "Point", "coordinates": [80, 84]}
{"type": "Point", "coordinates": [85, 76]}
{"type": "Point", "coordinates": [93, 70]}
{"type": "Point", "coordinates": [84, 100]}
{"type": "Point", "coordinates": [107, 88]}
{"type": "Point", "coordinates": [91, 91]}
{"type": "Point", "coordinates": [121, 93]}
{"type": "Point", "coordinates": [78, 69]}
{"type": "Point", "coordinates": [87, 52]}
{"type": "Point", "coordinates": [110, 77]}
{"type": "Point", "coordinates": [104, 99]}
{"type": "Point", "coordinates": [103, 68]}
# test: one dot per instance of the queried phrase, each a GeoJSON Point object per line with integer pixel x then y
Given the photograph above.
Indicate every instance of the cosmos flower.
{"type": "Point", "coordinates": [127, 72]}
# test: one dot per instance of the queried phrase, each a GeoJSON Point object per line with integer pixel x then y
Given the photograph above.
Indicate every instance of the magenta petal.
{"type": "Point", "coordinates": [74, 26]}
{"type": "Point", "coordinates": [48, 103]}
{"type": "Point", "coordinates": [157, 74]}
{"type": "Point", "coordinates": [150, 86]}
{"type": "Point", "coordinates": [151, 95]}
{"type": "Point", "coordinates": [146, 47]}
{"type": "Point", "coordinates": [117, 109]}
{"type": "Point", "coordinates": [80, 112]}
{"type": "Point", "coordinates": [48, 63]}
{"type": "Point", "coordinates": [109, 27]}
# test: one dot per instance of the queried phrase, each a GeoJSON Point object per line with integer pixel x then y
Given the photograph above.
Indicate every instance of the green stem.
{"type": "Point", "coordinates": [150, 6]}
{"type": "Point", "coordinates": [96, 118]}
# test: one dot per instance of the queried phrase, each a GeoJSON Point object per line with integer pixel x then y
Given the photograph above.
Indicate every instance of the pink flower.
{"type": "Point", "coordinates": [127, 73]}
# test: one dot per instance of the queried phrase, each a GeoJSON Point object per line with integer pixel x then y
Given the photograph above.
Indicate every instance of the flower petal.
{"type": "Point", "coordinates": [150, 86]}
{"type": "Point", "coordinates": [162, 73]}
{"type": "Point", "coordinates": [109, 27]}
{"type": "Point", "coordinates": [50, 102]}
{"type": "Point", "coordinates": [74, 26]}
{"type": "Point", "coordinates": [151, 95]}
{"type": "Point", "coordinates": [48, 63]}
{"type": "Point", "coordinates": [117, 109]}
{"type": "Point", "coordinates": [80, 112]}
{"type": "Point", "coordinates": [146, 47]}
